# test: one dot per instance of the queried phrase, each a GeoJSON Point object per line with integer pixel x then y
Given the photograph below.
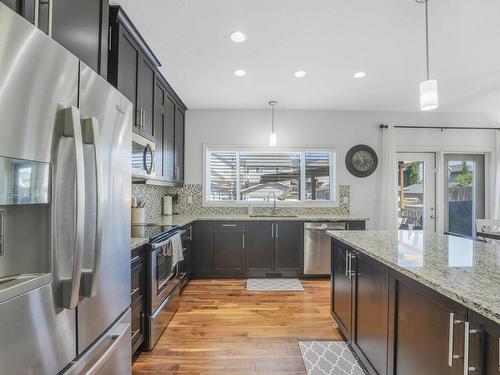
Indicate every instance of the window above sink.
{"type": "Point", "coordinates": [258, 176]}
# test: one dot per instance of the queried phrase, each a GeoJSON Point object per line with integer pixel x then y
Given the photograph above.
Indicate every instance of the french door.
{"type": "Point", "coordinates": [463, 192]}
{"type": "Point", "coordinates": [416, 191]}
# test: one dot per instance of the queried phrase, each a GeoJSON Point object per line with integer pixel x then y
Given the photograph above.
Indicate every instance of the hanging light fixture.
{"type": "Point", "coordinates": [272, 137]}
{"type": "Point", "coordinates": [428, 88]}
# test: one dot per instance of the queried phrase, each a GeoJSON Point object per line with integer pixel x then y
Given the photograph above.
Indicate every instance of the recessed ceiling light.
{"type": "Point", "coordinates": [238, 36]}
{"type": "Point", "coordinates": [240, 73]}
{"type": "Point", "coordinates": [299, 74]}
{"type": "Point", "coordinates": [359, 75]}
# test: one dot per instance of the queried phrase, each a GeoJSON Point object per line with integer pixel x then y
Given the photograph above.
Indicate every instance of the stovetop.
{"type": "Point", "coordinates": [151, 231]}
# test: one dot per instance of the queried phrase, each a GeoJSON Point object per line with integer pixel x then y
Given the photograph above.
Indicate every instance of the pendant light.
{"type": "Point", "coordinates": [272, 137]}
{"type": "Point", "coordinates": [428, 88]}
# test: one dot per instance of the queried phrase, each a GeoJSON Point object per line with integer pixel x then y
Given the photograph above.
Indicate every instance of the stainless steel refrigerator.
{"type": "Point", "coordinates": [65, 178]}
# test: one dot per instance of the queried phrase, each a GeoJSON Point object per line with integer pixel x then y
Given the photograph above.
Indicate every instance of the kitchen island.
{"type": "Point", "coordinates": [417, 302]}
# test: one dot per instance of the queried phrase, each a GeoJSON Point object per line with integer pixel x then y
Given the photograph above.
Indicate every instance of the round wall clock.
{"type": "Point", "coordinates": [361, 161]}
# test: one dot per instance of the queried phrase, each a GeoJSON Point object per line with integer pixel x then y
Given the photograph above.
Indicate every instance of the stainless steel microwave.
{"type": "Point", "coordinates": [143, 156]}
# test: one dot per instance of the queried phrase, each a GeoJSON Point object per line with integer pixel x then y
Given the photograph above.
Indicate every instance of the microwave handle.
{"type": "Point", "coordinates": [148, 168]}
{"type": "Point", "coordinates": [91, 135]}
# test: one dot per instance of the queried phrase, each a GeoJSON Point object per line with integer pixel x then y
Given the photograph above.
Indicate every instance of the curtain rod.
{"type": "Point", "coordinates": [385, 126]}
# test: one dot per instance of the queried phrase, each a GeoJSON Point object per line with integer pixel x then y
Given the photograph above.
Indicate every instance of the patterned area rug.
{"type": "Point", "coordinates": [329, 358]}
{"type": "Point", "coordinates": [274, 285]}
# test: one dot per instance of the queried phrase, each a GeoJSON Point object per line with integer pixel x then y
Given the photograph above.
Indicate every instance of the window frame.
{"type": "Point", "coordinates": [332, 202]}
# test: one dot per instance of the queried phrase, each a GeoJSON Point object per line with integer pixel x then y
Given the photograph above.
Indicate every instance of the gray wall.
{"type": "Point", "coordinates": [341, 129]}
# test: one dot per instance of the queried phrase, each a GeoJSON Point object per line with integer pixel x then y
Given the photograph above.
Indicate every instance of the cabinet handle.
{"type": "Point", "coordinates": [277, 230]}
{"type": "Point", "coordinates": [466, 348]}
{"type": "Point", "coordinates": [190, 231]}
{"type": "Point", "coordinates": [346, 263]}
{"type": "Point", "coordinates": [109, 38]}
{"type": "Point", "coordinates": [451, 339]}
{"type": "Point", "coordinates": [133, 291]}
{"type": "Point", "coordinates": [143, 118]}
{"type": "Point", "coordinates": [228, 225]}
{"type": "Point", "coordinates": [243, 239]}
{"type": "Point", "coordinates": [272, 230]}
{"type": "Point", "coordinates": [135, 258]}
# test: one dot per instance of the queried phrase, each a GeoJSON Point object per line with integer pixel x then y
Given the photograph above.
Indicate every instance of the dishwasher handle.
{"type": "Point", "coordinates": [325, 226]}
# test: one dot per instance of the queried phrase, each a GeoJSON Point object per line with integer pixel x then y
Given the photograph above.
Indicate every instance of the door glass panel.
{"type": "Point", "coordinates": [416, 191]}
{"type": "Point", "coordinates": [464, 192]}
{"type": "Point", "coordinates": [411, 194]}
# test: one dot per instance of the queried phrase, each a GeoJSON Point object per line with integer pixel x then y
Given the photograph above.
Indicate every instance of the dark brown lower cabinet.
{"type": "Point", "coordinates": [202, 249]}
{"type": "Point", "coordinates": [429, 329]}
{"type": "Point", "coordinates": [484, 346]}
{"type": "Point", "coordinates": [342, 289]}
{"type": "Point", "coordinates": [369, 336]}
{"type": "Point", "coordinates": [259, 248]}
{"type": "Point", "coordinates": [398, 326]}
{"type": "Point", "coordinates": [138, 297]}
{"type": "Point", "coordinates": [288, 248]}
{"type": "Point", "coordinates": [229, 249]}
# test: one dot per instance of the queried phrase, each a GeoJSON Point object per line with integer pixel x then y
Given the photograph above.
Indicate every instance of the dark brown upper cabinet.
{"type": "Point", "coordinates": [66, 21]}
{"type": "Point", "coordinates": [173, 135]}
{"type": "Point", "coordinates": [132, 69]}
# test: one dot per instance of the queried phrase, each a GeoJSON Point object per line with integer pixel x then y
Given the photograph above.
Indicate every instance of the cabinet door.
{"type": "Point", "coordinates": [371, 303]}
{"type": "Point", "coordinates": [179, 145]}
{"type": "Point", "coordinates": [259, 248]}
{"type": "Point", "coordinates": [288, 250]}
{"type": "Point", "coordinates": [202, 248]}
{"type": "Point", "coordinates": [228, 251]}
{"type": "Point", "coordinates": [341, 289]}
{"type": "Point", "coordinates": [484, 346]}
{"type": "Point", "coordinates": [72, 19]}
{"type": "Point", "coordinates": [168, 140]}
{"type": "Point", "coordinates": [423, 323]}
{"type": "Point", "coordinates": [159, 126]}
{"type": "Point", "coordinates": [145, 95]}
{"type": "Point", "coordinates": [126, 79]}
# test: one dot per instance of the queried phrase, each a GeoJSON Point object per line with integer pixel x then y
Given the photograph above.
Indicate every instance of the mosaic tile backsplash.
{"type": "Point", "coordinates": [152, 195]}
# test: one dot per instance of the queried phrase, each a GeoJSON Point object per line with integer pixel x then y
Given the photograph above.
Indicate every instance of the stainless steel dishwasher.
{"type": "Point", "coordinates": [317, 247]}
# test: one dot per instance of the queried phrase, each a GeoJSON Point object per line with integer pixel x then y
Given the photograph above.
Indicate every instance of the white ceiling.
{"type": "Point", "coordinates": [330, 40]}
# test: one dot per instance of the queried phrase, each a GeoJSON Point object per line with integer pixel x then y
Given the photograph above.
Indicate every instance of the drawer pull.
{"type": "Point", "coordinates": [135, 258]}
{"type": "Point", "coordinates": [228, 225]}
{"type": "Point", "coordinates": [133, 291]}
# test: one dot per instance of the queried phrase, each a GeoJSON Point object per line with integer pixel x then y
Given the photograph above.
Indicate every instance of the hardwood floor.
{"type": "Point", "coordinates": [220, 328]}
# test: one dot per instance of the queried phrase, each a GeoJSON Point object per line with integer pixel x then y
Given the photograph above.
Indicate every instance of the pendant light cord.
{"type": "Point", "coordinates": [427, 38]}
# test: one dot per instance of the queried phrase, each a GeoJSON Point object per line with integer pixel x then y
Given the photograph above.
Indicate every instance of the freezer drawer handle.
{"type": "Point", "coordinates": [114, 338]}
{"type": "Point", "coordinates": [72, 129]}
{"type": "Point", "coordinates": [91, 135]}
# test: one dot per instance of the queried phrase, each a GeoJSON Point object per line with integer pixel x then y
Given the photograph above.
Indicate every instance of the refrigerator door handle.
{"type": "Point", "coordinates": [71, 285]}
{"type": "Point", "coordinates": [91, 135]}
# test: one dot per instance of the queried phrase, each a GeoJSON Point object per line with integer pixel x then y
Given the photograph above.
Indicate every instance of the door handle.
{"type": "Point", "coordinates": [91, 135]}
{"type": "Point", "coordinates": [36, 13]}
{"type": "Point", "coordinates": [71, 130]}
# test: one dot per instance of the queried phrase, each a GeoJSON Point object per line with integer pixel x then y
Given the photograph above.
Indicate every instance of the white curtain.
{"type": "Point", "coordinates": [496, 198]}
{"type": "Point", "coordinates": [388, 210]}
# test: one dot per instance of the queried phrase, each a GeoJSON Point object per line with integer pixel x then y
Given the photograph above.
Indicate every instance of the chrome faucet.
{"type": "Point", "coordinates": [274, 210]}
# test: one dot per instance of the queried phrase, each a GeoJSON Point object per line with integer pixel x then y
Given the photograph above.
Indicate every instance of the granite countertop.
{"type": "Point", "coordinates": [135, 242]}
{"type": "Point", "coordinates": [182, 220]}
{"type": "Point", "coordinates": [461, 269]}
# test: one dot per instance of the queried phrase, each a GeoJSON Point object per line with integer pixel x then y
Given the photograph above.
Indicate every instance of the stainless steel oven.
{"type": "Point", "coordinates": [143, 155]}
{"type": "Point", "coordinates": [163, 286]}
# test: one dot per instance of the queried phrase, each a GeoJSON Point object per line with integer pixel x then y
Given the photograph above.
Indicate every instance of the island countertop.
{"type": "Point", "coordinates": [461, 269]}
